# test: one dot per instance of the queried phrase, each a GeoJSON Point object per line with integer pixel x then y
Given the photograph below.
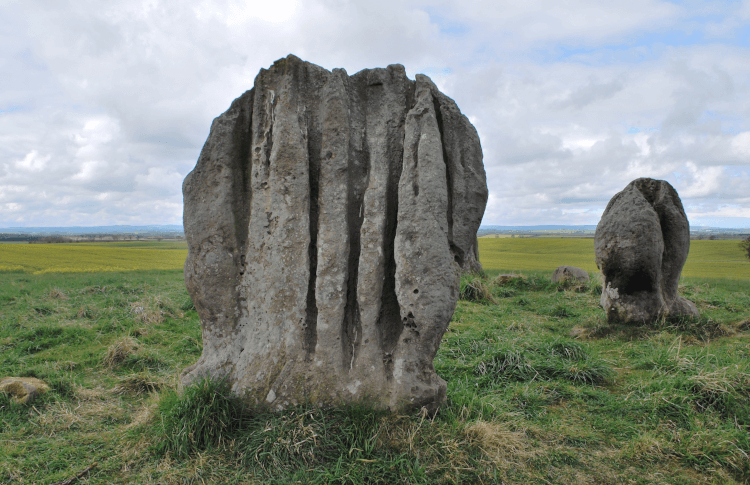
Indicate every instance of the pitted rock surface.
{"type": "Point", "coordinates": [328, 220]}
{"type": "Point", "coordinates": [641, 243]}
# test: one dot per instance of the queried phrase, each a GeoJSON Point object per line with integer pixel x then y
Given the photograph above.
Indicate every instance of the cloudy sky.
{"type": "Point", "coordinates": [104, 106]}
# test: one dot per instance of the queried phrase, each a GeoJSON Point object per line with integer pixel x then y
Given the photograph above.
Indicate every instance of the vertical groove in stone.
{"type": "Point", "coordinates": [351, 328]}
{"type": "Point", "coordinates": [242, 200]}
{"type": "Point", "coordinates": [458, 253]}
{"type": "Point", "coordinates": [310, 334]}
{"type": "Point", "coordinates": [389, 321]}
{"type": "Point", "coordinates": [415, 176]}
{"type": "Point", "coordinates": [307, 115]}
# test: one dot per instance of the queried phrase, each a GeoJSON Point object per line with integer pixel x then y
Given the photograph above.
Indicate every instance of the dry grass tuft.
{"type": "Point", "coordinates": [153, 309]}
{"type": "Point", "coordinates": [146, 315]}
{"type": "Point", "coordinates": [88, 413]}
{"type": "Point", "coordinates": [119, 351]}
{"type": "Point", "coordinates": [60, 416]}
{"type": "Point", "coordinates": [711, 386]}
{"type": "Point", "coordinates": [144, 415]}
{"type": "Point", "coordinates": [648, 448]}
{"type": "Point", "coordinates": [579, 332]}
{"type": "Point", "coordinates": [64, 365]}
{"type": "Point", "coordinates": [58, 294]}
{"type": "Point", "coordinates": [519, 326]}
{"type": "Point", "coordinates": [138, 384]}
{"type": "Point", "coordinates": [476, 289]}
{"type": "Point", "coordinates": [96, 394]}
{"type": "Point", "coordinates": [84, 312]}
{"type": "Point", "coordinates": [441, 453]}
{"type": "Point", "coordinates": [505, 448]}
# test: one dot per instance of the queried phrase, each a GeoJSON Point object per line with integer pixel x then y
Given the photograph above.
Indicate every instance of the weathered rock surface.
{"type": "Point", "coordinates": [641, 243]}
{"type": "Point", "coordinates": [23, 389]}
{"type": "Point", "coordinates": [328, 219]}
{"type": "Point", "coordinates": [572, 273]}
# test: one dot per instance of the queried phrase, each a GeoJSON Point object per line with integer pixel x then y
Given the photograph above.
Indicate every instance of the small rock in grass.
{"type": "Point", "coordinates": [23, 390]}
{"type": "Point", "coordinates": [505, 278]}
{"type": "Point", "coordinates": [571, 273]}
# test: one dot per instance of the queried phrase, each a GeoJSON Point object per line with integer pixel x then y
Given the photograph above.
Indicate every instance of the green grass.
{"type": "Point", "coordinates": [707, 259]}
{"type": "Point", "coordinates": [540, 390]}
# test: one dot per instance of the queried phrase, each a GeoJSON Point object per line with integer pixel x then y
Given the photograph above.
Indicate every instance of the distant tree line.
{"type": "Point", "coordinates": [51, 239]}
{"type": "Point", "coordinates": [88, 238]}
{"type": "Point", "coordinates": [745, 245]}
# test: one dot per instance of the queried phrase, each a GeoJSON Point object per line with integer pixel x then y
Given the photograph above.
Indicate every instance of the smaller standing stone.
{"type": "Point", "coordinates": [572, 273]}
{"type": "Point", "coordinates": [642, 243]}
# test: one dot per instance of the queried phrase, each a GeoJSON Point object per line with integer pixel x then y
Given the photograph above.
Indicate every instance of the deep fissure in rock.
{"type": "Point", "coordinates": [415, 151]}
{"type": "Point", "coordinates": [313, 137]}
{"type": "Point", "coordinates": [314, 141]}
{"type": "Point", "coordinates": [458, 255]}
{"type": "Point", "coordinates": [357, 174]}
{"type": "Point", "coordinates": [389, 319]}
{"type": "Point", "coordinates": [242, 200]}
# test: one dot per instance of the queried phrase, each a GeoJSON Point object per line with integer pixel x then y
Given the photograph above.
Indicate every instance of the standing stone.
{"type": "Point", "coordinates": [641, 243]}
{"type": "Point", "coordinates": [328, 219]}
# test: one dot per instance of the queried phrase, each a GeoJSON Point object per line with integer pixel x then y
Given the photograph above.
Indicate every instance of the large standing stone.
{"type": "Point", "coordinates": [328, 219]}
{"type": "Point", "coordinates": [642, 242]}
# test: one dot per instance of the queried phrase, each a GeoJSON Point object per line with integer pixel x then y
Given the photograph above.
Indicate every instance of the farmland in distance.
{"type": "Point", "coordinates": [707, 259]}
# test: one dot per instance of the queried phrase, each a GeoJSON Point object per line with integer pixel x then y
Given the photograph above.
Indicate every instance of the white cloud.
{"type": "Point", "coordinates": [32, 162]}
{"type": "Point", "coordinates": [105, 106]}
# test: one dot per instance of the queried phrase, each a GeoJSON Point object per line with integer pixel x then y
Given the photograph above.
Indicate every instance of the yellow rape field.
{"type": "Point", "coordinates": [707, 259]}
{"type": "Point", "coordinates": [92, 257]}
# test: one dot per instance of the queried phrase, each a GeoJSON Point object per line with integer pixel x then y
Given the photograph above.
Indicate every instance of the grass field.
{"type": "Point", "coordinates": [540, 389]}
{"type": "Point", "coordinates": [707, 259]}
